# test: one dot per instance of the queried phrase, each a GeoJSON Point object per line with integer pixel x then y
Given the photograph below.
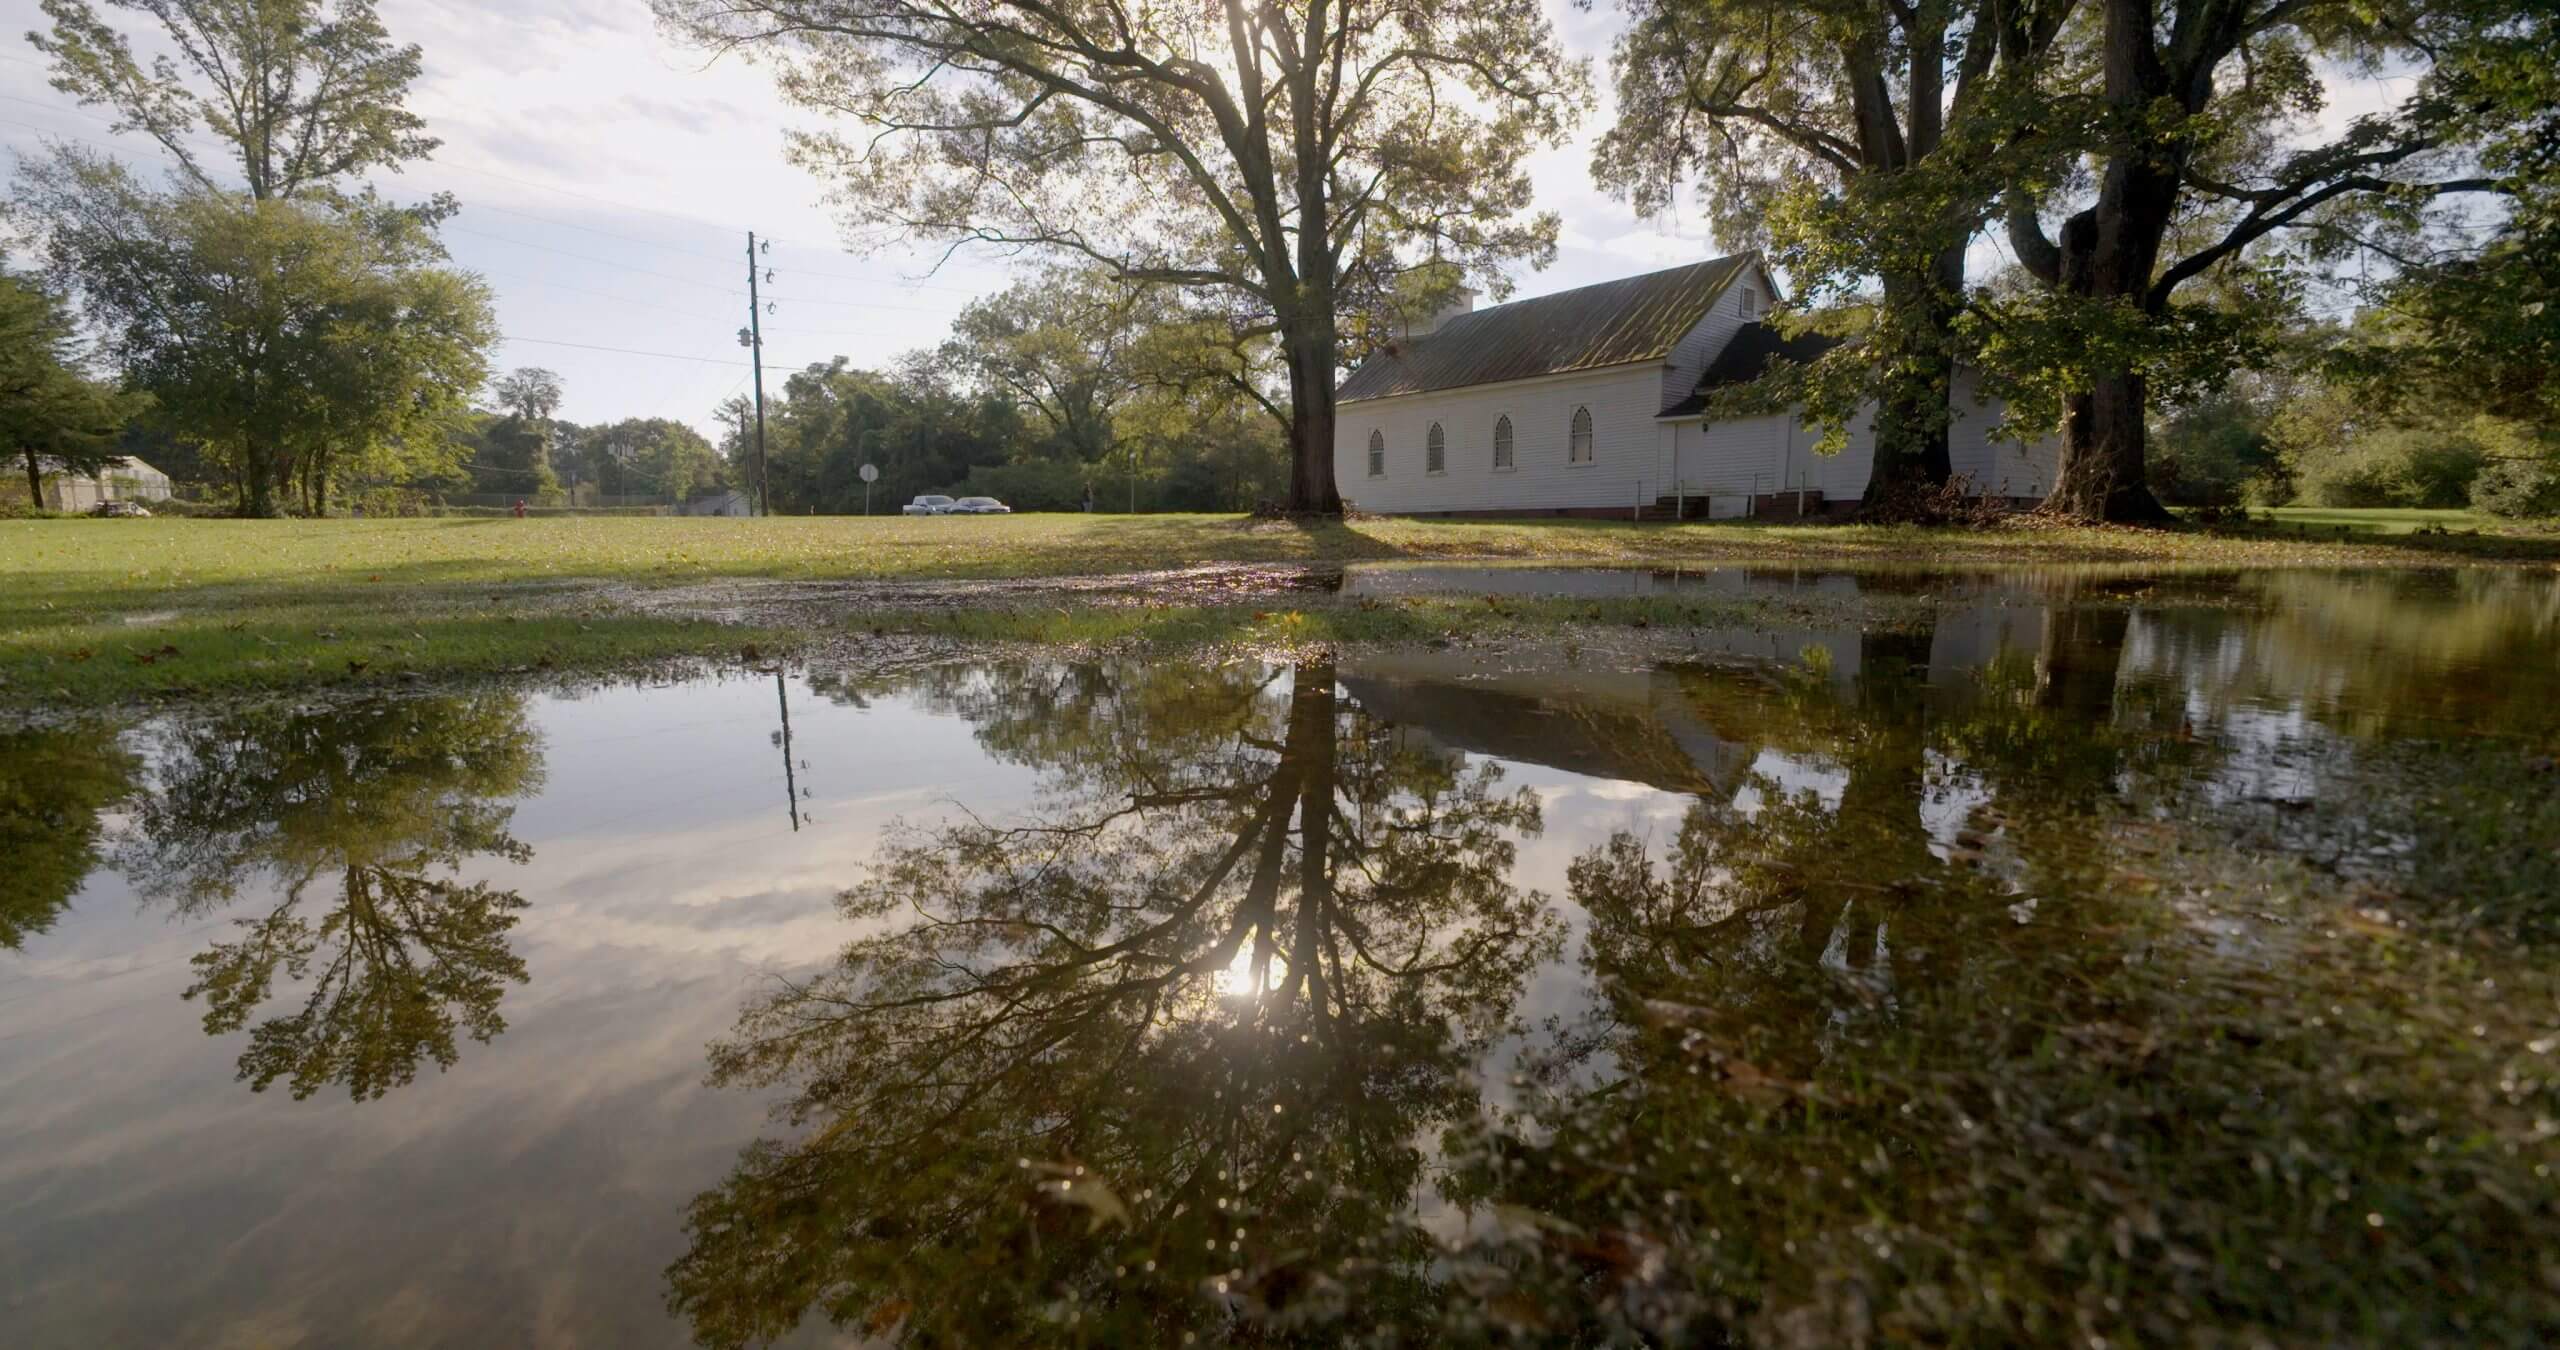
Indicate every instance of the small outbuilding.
{"type": "Point", "coordinates": [725, 502]}
{"type": "Point", "coordinates": [120, 480]}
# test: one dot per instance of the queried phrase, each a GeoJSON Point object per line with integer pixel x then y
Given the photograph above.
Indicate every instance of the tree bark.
{"type": "Point", "coordinates": [262, 501]}
{"type": "Point", "coordinates": [2110, 254]}
{"type": "Point", "coordinates": [2103, 474]}
{"type": "Point", "coordinates": [35, 482]}
{"type": "Point", "coordinates": [1912, 410]}
{"type": "Point", "coordinates": [1309, 344]}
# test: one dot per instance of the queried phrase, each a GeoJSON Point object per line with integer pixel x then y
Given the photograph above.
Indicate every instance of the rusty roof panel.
{"type": "Point", "coordinates": [1610, 324]}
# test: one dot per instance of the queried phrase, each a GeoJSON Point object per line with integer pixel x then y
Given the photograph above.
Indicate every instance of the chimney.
{"type": "Point", "coordinates": [1460, 301]}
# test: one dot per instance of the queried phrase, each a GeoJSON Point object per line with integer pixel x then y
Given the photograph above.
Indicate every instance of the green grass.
{"type": "Point", "coordinates": [89, 608]}
{"type": "Point", "coordinates": [2381, 521]}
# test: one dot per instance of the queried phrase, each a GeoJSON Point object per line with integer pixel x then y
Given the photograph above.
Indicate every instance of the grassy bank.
{"type": "Point", "coordinates": [104, 611]}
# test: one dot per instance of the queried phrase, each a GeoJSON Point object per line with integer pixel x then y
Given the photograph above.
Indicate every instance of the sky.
{"type": "Point", "coordinates": [609, 177]}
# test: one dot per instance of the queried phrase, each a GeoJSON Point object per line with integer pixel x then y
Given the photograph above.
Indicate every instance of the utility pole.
{"type": "Point", "coordinates": [758, 494]}
{"type": "Point", "coordinates": [790, 783]}
{"type": "Point", "coordinates": [755, 349]}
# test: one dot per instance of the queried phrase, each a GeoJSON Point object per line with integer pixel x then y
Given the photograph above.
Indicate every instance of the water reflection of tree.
{"type": "Point", "coordinates": [1947, 1117]}
{"type": "Point", "coordinates": [1185, 1031]}
{"type": "Point", "coordinates": [367, 805]}
{"type": "Point", "coordinates": [54, 786]}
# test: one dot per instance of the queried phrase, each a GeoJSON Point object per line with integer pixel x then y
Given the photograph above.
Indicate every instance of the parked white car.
{"type": "Point", "coordinates": [930, 504]}
{"type": "Point", "coordinates": [980, 506]}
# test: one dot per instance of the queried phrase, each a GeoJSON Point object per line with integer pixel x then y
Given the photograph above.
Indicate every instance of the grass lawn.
{"type": "Point", "coordinates": [102, 611]}
{"type": "Point", "coordinates": [2375, 521]}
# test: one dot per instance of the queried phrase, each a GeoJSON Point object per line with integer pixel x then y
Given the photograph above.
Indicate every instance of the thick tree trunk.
{"type": "Point", "coordinates": [2103, 465]}
{"type": "Point", "coordinates": [262, 494]}
{"type": "Point", "coordinates": [1912, 407]}
{"type": "Point", "coordinates": [35, 482]}
{"type": "Point", "coordinates": [1309, 344]}
{"type": "Point", "coordinates": [2110, 254]}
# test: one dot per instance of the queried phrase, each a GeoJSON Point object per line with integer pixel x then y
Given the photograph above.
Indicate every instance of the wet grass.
{"type": "Point", "coordinates": [63, 654]}
{"type": "Point", "coordinates": [1402, 619]}
{"type": "Point", "coordinates": [89, 608]}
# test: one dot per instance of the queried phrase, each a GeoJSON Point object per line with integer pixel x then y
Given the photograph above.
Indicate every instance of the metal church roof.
{"type": "Point", "coordinates": [1613, 323]}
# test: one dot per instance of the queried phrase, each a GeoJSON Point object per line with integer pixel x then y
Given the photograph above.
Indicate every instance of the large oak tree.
{"type": "Point", "coordinates": [1299, 156]}
{"type": "Point", "coordinates": [2191, 194]}
{"type": "Point", "coordinates": [1849, 138]}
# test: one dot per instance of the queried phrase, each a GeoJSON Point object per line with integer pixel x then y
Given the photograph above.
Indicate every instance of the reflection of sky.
{"type": "Point", "coordinates": [538, 1185]}
{"type": "Point", "coordinates": [535, 1191]}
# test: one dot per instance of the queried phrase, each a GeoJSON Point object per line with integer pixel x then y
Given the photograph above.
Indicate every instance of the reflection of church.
{"type": "Point", "coordinates": [1657, 725]}
{"type": "Point", "coordinates": [1633, 726]}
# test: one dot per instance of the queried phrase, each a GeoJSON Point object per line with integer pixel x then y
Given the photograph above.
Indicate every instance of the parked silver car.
{"type": "Point", "coordinates": [930, 504]}
{"type": "Point", "coordinates": [979, 506]}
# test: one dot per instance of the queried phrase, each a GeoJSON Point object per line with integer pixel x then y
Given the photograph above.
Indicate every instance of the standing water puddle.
{"type": "Point", "coordinates": [2144, 958]}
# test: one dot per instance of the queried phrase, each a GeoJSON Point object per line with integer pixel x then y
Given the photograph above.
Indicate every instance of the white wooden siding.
{"type": "Point", "coordinates": [1750, 455]}
{"type": "Point", "coordinates": [1629, 445]}
{"type": "Point", "coordinates": [1637, 457]}
{"type": "Point", "coordinates": [1997, 466]}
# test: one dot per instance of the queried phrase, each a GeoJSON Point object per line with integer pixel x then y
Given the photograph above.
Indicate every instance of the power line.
{"type": "Point", "coordinates": [624, 351]}
{"type": "Point", "coordinates": [589, 257]}
{"type": "Point", "coordinates": [794, 367]}
{"type": "Point", "coordinates": [513, 280]}
{"type": "Point", "coordinates": [470, 206]}
{"type": "Point", "coordinates": [859, 304]}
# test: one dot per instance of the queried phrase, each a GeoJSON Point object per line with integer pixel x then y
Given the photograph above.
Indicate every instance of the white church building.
{"type": "Point", "coordinates": [1591, 402]}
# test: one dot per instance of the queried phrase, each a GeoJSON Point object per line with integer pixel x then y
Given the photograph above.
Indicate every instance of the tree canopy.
{"type": "Point", "coordinates": [2209, 204]}
{"type": "Point", "coordinates": [1294, 159]}
{"type": "Point", "coordinates": [295, 324]}
{"type": "Point", "coordinates": [304, 93]}
{"type": "Point", "coordinates": [54, 417]}
{"type": "Point", "coordinates": [298, 340]}
{"type": "Point", "coordinates": [1852, 140]}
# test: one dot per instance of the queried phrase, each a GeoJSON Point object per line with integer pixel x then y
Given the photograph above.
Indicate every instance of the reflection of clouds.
{"type": "Point", "coordinates": [1580, 814]}
{"type": "Point", "coordinates": [1797, 774]}
{"type": "Point", "coordinates": [545, 1170]}
{"type": "Point", "coordinates": [749, 887]}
